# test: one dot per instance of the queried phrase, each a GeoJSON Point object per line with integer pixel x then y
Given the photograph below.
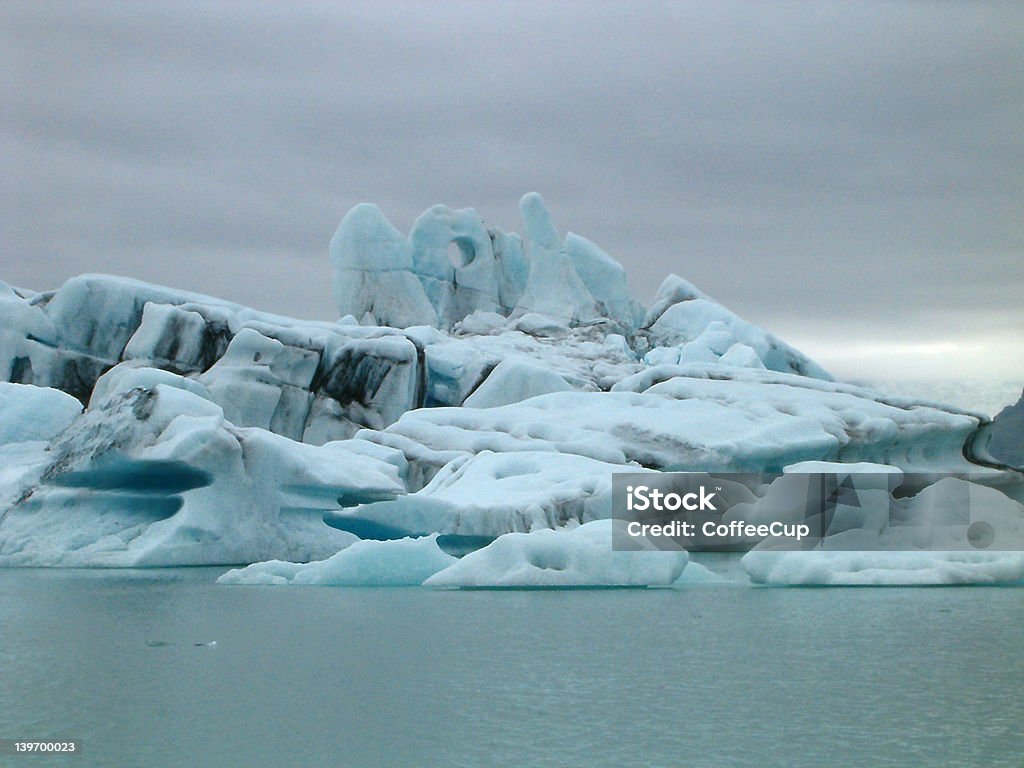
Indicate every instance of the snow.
{"type": "Point", "coordinates": [574, 557]}
{"type": "Point", "coordinates": [399, 563]}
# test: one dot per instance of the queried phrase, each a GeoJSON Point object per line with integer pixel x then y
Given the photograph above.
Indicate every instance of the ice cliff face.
{"type": "Point", "coordinates": [478, 383]}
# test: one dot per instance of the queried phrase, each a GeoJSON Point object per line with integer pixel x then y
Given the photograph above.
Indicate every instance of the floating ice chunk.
{"type": "Point", "coordinates": [820, 568]}
{"type": "Point", "coordinates": [575, 557]}
{"type": "Point", "coordinates": [34, 413]}
{"type": "Point", "coordinates": [952, 532]}
{"type": "Point", "coordinates": [513, 381]}
{"type": "Point", "coordinates": [695, 573]}
{"type": "Point", "coordinates": [397, 563]}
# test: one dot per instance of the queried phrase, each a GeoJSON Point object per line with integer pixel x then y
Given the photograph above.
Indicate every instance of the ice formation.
{"type": "Point", "coordinates": [406, 562]}
{"type": "Point", "coordinates": [478, 384]}
{"type": "Point", "coordinates": [952, 531]}
{"type": "Point", "coordinates": [1006, 435]}
{"type": "Point", "coordinates": [574, 557]}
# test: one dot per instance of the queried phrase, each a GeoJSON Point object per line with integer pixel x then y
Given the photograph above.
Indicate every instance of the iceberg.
{"type": "Point", "coordinates": [157, 476]}
{"type": "Point", "coordinates": [897, 568]}
{"type": "Point", "coordinates": [952, 531]}
{"type": "Point", "coordinates": [477, 384]}
{"type": "Point", "coordinates": [567, 558]}
{"type": "Point", "coordinates": [404, 562]}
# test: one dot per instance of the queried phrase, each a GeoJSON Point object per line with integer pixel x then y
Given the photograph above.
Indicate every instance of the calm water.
{"type": "Point", "coordinates": [702, 676]}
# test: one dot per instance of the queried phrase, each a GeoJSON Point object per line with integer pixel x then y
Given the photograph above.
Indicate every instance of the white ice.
{"type": "Point", "coordinates": [575, 557]}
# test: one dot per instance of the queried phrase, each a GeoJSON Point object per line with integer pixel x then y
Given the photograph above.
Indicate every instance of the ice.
{"type": "Point", "coordinates": [453, 257]}
{"type": "Point", "coordinates": [1006, 435]}
{"type": "Point", "coordinates": [398, 563]}
{"type": "Point", "coordinates": [452, 266]}
{"type": "Point", "coordinates": [157, 476]}
{"type": "Point", "coordinates": [34, 413]}
{"type": "Point", "coordinates": [728, 420]}
{"type": "Point", "coordinates": [575, 557]}
{"type": "Point", "coordinates": [701, 330]}
{"type": "Point", "coordinates": [513, 381]}
{"type": "Point", "coordinates": [884, 568]}
{"type": "Point", "coordinates": [494, 493]}
{"type": "Point", "coordinates": [373, 271]}
{"type": "Point", "coordinates": [476, 384]}
{"type": "Point", "coordinates": [938, 536]}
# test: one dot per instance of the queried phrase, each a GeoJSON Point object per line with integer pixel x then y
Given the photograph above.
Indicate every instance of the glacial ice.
{"type": "Point", "coordinates": [1006, 435]}
{"type": "Point", "coordinates": [895, 568]}
{"type": "Point", "coordinates": [157, 476]}
{"type": "Point", "coordinates": [399, 563]}
{"type": "Point", "coordinates": [34, 413]}
{"type": "Point", "coordinates": [513, 382]}
{"type": "Point", "coordinates": [489, 494]}
{"type": "Point", "coordinates": [932, 537]}
{"type": "Point", "coordinates": [477, 384]}
{"type": "Point", "coordinates": [572, 557]}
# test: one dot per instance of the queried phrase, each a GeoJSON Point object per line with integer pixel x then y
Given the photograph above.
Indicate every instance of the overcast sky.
{"type": "Point", "coordinates": [849, 176]}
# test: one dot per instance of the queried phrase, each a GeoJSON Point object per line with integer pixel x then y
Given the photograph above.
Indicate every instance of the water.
{"type": "Point", "coordinates": [702, 676]}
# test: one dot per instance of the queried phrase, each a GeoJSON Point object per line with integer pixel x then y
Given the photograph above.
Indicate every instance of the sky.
{"type": "Point", "coordinates": [849, 176]}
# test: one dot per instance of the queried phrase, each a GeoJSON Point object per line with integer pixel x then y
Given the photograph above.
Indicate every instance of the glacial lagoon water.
{"type": "Point", "coordinates": [697, 676]}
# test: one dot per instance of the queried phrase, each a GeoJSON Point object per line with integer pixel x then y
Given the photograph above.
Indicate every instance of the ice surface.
{"type": "Point", "coordinates": [575, 557]}
{"type": "Point", "coordinates": [157, 476]}
{"type": "Point", "coordinates": [1006, 436]}
{"type": "Point", "coordinates": [513, 381]}
{"type": "Point", "coordinates": [373, 271]}
{"type": "Point", "coordinates": [494, 493]}
{"type": "Point", "coordinates": [929, 538]}
{"type": "Point", "coordinates": [702, 330]}
{"type": "Point", "coordinates": [34, 413]}
{"type": "Point", "coordinates": [741, 420]}
{"type": "Point", "coordinates": [819, 568]}
{"type": "Point", "coordinates": [398, 563]}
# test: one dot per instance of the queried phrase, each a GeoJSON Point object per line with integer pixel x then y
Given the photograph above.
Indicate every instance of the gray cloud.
{"type": "Point", "coordinates": [847, 175]}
